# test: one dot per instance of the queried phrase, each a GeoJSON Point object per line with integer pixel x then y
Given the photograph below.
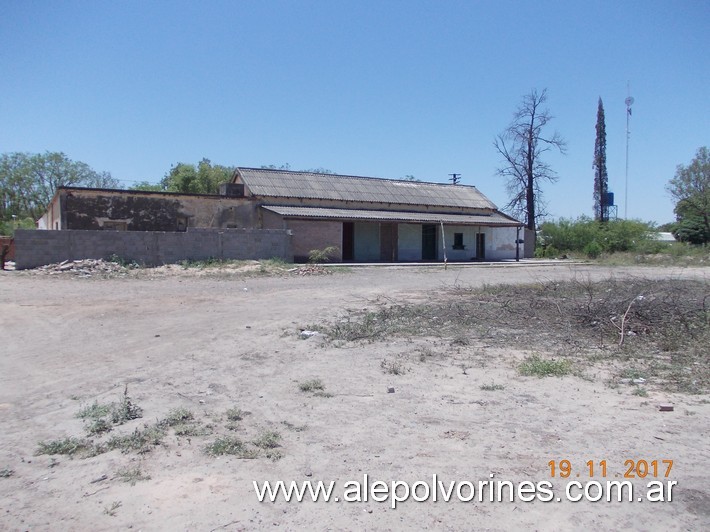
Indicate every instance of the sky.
{"type": "Point", "coordinates": [374, 88]}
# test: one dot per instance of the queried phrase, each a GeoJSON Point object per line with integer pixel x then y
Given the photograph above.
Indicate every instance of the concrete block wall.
{"type": "Point", "coordinates": [150, 248]}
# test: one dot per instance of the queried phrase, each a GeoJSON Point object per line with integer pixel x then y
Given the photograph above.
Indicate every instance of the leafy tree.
{"type": "Point", "coordinates": [691, 189]}
{"type": "Point", "coordinates": [147, 186]}
{"type": "Point", "coordinates": [601, 178]}
{"type": "Point", "coordinates": [522, 145]}
{"type": "Point", "coordinates": [204, 178]}
{"type": "Point", "coordinates": [28, 181]}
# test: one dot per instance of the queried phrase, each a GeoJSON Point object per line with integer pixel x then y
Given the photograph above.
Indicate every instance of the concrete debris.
{"type": "Point", "coordinates": [83, 268]}
{"type": "Point", "coordinates": [311, 269]}
{"type": "Point", "coordinates": [665, 408]}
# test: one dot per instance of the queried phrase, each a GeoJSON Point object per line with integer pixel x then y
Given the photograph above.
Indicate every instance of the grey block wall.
{"type": "Point", "coordinates": [151, 248]}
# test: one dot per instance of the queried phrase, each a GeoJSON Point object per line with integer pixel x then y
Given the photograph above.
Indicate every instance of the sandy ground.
{"type": "Point", "coordinates": [210, 344]}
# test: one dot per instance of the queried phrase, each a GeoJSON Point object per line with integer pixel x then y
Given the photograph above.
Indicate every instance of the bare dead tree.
{"type": "Point", "coordinates": [521, 145]}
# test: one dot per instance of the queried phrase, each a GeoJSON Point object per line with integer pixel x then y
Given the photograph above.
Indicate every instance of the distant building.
{"type": "Point", "coordinates": [367, 219]}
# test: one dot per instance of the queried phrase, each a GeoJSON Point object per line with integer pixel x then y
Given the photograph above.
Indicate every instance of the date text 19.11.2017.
{"type": "Point", "coordinates": [600, 469]}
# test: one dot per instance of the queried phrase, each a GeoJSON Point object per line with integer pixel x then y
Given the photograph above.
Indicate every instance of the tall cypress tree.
{"type": "Point", "coordinates": [601, 179]}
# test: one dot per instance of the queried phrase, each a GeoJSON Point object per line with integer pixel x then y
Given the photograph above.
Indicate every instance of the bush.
{"type": "Point", "coordinates": [593, 238]}
{"type": "Point", "coordinates": [593, 249]}
{"type": "Point", "coordinates": [317, 256]}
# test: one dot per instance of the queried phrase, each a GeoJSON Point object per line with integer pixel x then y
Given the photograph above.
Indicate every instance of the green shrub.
{"type": "Point", "coordinates": [317, 256]}
{"type": "Point", "coordinates": [593, 249]}
{"type": "Point", "coordinates": [587, 235]}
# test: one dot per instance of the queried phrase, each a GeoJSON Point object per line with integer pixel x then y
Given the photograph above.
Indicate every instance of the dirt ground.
{"type": "Point", "coordinates": [209, 343]}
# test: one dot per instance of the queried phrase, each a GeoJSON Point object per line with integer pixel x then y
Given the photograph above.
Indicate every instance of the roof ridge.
{"type": "Point", "coordinates": [280, 170]}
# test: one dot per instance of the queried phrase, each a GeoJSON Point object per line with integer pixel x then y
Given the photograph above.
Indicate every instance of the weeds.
{"type": "Point", "coordinates": [236, 414]}
{"type": "Point", "coordinates": [294, 428]}
{"type": "Point", "coordinates": [492, 387]}
{"type": "Point", "coordinates": [94, 411]}
{"type": "Point", "coordinates": [98, 427]}
{"type": "Point", "coordinates": [534, 366]}
{"type": "Point", "coordinates": [6, 473]}
{"type": "Point", "coordinates": [132, 475]}
{"type": "Point", "coordinates": [125, 410]}
{"type": "Point", "coordinates": [140, 440]}
{"type": "Point", "coordinates": [230, 446]}
{"type": "Point", "coordinates": [640, 392]}
{"type": "Point", "coordinates": [111, 510]}
{"type": "Point", "coordinates": [312, 385]}
{"type": "Point", "coordinates": [178, 416]}
{"type": "Point", "coordinates": [393, 367]}
{"type": "Point", "coordinates": [67, 446]}
{"type": "Point", "coordinates": [318, 256]}
{"type": "Point", "coordinates": [268, 440]}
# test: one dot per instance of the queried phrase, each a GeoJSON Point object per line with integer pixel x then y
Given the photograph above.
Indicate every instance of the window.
{"type": "Point", "coordinates": [182, 223]}
{"type": "Point", "coordinates": [458, 241]}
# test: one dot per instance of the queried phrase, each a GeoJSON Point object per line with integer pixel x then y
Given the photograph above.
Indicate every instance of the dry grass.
{"type": "Point", "coordinates": [662, 327]}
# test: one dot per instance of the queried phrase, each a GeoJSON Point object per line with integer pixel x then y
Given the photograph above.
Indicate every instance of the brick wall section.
{"type": "Point", "coordinates": [150, 248]}
{"type": "Point", "coordinates": [315, 234]}
{"type": "Point", "coordinates": [9, 242]}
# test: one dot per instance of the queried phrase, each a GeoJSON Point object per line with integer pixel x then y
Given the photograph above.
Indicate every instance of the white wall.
{"type": "Point", "coordinates": [469, 241]}
{"type": "Point", "coordinates": [500, 243]}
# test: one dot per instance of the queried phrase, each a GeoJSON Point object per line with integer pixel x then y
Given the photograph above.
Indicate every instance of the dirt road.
{"type": "Point", "coordinates": [210, 344]}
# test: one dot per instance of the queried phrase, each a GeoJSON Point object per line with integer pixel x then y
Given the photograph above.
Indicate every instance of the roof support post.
{"type": "Point", "coordinates": [517, 244]}
{"type": "Point", "coordinates": [443, 243]}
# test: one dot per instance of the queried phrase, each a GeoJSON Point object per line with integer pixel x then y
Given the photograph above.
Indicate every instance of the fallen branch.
{"type": "Point", "coordinates": [623, 323]}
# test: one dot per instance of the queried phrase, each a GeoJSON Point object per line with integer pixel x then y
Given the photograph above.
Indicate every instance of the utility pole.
{"type": "Point", "coordinates": [629, 102]}
{"type": "Point", "coordinates": [455, 178]}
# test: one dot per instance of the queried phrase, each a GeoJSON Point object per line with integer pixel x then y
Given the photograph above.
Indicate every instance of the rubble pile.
{"type": "Point", "coordinates": [83, 268]}
{"type": "Point", "coordinates": [311, 269]}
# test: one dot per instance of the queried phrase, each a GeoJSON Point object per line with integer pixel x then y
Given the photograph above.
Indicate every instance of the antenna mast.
{"type": "Point", "coordinates": [455, 178]}
{"type": "Point", "coordinates": [629, 102]}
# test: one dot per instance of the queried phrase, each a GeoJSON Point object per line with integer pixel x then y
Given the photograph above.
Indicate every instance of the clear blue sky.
{"type": "Point", "coordinates": [375, 88]}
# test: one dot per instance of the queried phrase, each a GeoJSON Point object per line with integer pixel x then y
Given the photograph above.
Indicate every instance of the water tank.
{"type": "Point", "coordinates": [609, 199]}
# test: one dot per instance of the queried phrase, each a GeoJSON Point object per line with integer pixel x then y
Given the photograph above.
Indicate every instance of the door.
{"type": "Point", "coordinates": [388, 242]}
{"type": "Point", "coordinates": [428, 242]}
{"type": "Point", "coordinates": [348, 241]}
{"type": "Point", "coordinates": [481, 246]}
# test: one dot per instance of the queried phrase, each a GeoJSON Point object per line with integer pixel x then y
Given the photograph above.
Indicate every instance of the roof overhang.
{"type": "Point", "coordinates": [494, 219]}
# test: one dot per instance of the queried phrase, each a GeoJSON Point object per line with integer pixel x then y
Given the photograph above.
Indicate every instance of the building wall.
{"type": "Point", "coordinates": [137, 211]}
{"type": "Point", "coordinates": [315, 234]}
{"type": "Point", "coordinates": [500, 243]}
{"type": "Point", "coordinates": [469, 242]}
{"type": "Point", "coordinates": [150, 248]}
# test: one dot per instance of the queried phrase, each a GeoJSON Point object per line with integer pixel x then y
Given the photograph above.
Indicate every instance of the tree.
{"type": "Point", "coordinates": [28, 181]}
{"type": "Point", "coordinates": [691, 189]}
{"type": "Point", "coordinates": [601, 178]}
{"type": "Point", "coordinates": [521, 145]}
{"type": "Point", "coordinates": [204, 178]}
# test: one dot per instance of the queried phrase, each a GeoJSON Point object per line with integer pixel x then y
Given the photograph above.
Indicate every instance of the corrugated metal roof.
{"type": "Point", "coordinates": [495, 219]}
{"type": "Point", "coordinates": [287, 184]}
